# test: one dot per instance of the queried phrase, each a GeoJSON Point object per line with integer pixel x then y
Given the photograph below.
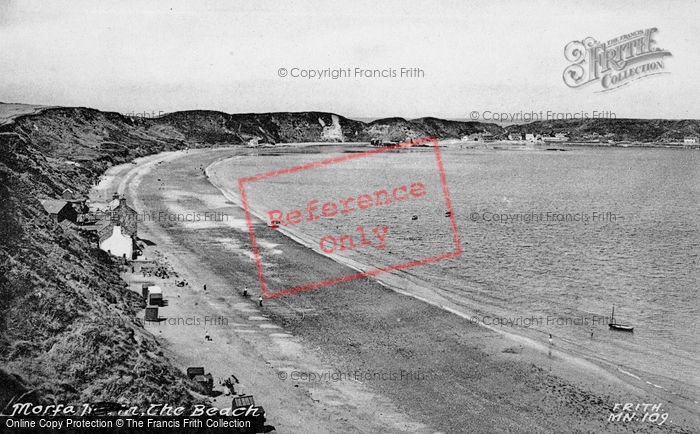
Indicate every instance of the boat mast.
{"type": "Point", "coordinates": [612, 318]}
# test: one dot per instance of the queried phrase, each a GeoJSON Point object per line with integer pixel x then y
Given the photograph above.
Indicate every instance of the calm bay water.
{"type": "Point", "coordinates": [630, 236]}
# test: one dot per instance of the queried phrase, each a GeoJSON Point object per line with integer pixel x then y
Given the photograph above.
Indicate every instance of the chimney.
{"type": "Point", "coordinates": [115, 196]}
{"type": "Point", "coordinates": [122, 201]}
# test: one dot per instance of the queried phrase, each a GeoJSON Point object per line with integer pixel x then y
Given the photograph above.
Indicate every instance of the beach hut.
{"type": "Point", "coordinates": [144, 289]}
{"type": "Point", "coordinates": [151, 314]}
{"type": "Point", "coordinates": [243, 401]}
{"type": "Point", "coordinates": [155, 295]}
{"type": "Point", "coordinates": [194, 371]}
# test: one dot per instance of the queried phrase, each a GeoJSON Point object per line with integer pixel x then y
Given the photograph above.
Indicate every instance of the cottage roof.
{"type": "Point", "coordinates": [116, 204]}
{"type": "Point", "coordinates": [53, 206]}
{"type": "Point", "coordinates": [98, 226]}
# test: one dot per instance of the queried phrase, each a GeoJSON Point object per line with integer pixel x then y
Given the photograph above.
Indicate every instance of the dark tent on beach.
{"type": "Point", "coordinates": [151, 314]}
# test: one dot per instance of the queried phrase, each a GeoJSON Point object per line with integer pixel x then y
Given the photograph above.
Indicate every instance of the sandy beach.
{"type": "Point", "coordinates": [353, 357]}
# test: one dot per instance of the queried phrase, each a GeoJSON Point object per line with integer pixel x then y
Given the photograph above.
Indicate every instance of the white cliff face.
{"type": "Point", "coordinates": [333, 132]}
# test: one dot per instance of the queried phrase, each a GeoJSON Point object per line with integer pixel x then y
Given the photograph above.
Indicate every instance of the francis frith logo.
{"type": "Point", "coordinates": [614, 63]}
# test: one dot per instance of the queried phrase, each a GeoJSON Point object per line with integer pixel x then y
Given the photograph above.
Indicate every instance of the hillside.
{"type": "Point", "coordinates": [617, 130]}
{"type": "Point", "coordinates": [66, 317]}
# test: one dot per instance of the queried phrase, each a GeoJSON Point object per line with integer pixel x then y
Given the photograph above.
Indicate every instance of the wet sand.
{"type": "Point", "coordinates": [429, 370]}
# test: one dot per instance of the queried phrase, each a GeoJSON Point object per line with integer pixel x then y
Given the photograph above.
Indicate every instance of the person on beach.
{"type": "Point", "coordinates": [205, 287]}
{"type": "Point", "coordinates": [260, 300]}
{"type": "Point", "coordinates": [206, 335]}
{"type": "Point", "coordinates": [591, 333]}
{"type": "Point", "coordinates": [550, 340]}
{"type": "Point", "coordinates": [245, 291]}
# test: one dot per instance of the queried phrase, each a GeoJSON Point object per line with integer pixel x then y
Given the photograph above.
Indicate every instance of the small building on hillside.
{"type": "Point", "coordinates": [690, 140]}
{"type": "Point", "coordinates": [67, 194]}
{"type": "Point", "coordinates": [60, 210]}
{"type": "Point", "coordinates": [488, 137]}
{"type": "Point", "coordinates": [474, 137]}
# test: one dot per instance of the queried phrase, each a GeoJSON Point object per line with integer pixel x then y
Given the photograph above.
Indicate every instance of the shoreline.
{"type": "Point", "coordinates": [397, 283]}
{"type": "Point", "coordinates": [246, 343]}
{"type": "Point", "coordinates": [405, 283]}
{"type": "Point", "coordinates": [485, 345]}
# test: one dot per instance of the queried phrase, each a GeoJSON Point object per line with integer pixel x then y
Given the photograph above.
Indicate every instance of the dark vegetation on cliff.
{"type": "Point", "coordinates": [65, 329]}
{"type": "Point", "coordinates": [66, 318]}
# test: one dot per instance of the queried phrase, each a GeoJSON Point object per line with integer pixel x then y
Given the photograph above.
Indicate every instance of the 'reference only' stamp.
{"type": "Point", "coordinates": [355, 234]}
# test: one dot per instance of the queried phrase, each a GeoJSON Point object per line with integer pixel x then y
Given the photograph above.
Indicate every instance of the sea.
{"type": "Point", "coordinates": [542, 242]}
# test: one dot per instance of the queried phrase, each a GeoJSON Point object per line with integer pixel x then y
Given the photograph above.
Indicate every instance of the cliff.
{"type": "Point", "coordinates": [66, 328]}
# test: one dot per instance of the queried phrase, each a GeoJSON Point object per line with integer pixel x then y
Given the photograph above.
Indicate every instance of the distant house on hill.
{"type": "Point", "coordinates": [530, 137]}
{"type": "Point", "coordinates": [474, 137]}
{"type": "Point", "coordinates": [515, 137]}
{"type": "Point", "coordinates": [558, 137]}
{"type": "Point", "coordinates": [67, 194]}
{"type": "Point", "coordinates": [690, 139]}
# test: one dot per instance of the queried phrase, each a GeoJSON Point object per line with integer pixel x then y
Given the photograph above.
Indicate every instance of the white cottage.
{"type": "Point", "coordinates": [118, 244]}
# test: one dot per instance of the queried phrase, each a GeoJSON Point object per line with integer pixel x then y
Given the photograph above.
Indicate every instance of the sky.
{"type": "Point", "coordinates": [478, 59]}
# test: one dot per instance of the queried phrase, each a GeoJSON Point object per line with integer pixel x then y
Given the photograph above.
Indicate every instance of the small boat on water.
{"type": "Point", "coordinates": [619, 327]}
